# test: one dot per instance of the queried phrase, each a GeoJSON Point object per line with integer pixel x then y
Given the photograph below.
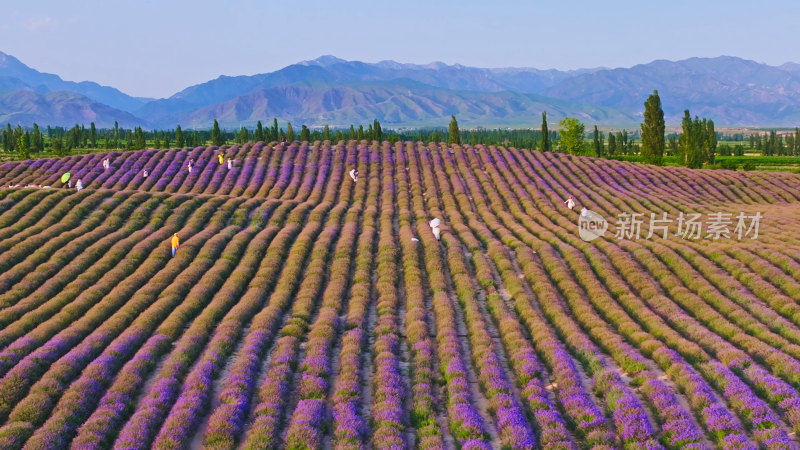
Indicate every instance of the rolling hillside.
{"type": "Point", "coordinates": [306, 310]}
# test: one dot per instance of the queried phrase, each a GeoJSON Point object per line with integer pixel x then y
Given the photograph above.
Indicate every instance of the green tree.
{"type": "Point", "coordinates": [360, 134]}
{"type": "Point", "coordinates": [275, 130]}
{"type": "Point", "coordinates": [259, 136]}
{"type": "Point", "coordinates": [691, 141]}
{"type": "Point", "coordinates": [545, 134]}
{"type": "Point", "coordinates": [326, 133]}
{"type": "Point", "coordinates": [23, 146]}
{"type": "Point", "coordinates": [179, 141]}
{"type": "Point", "coordinates": [242, 136]}
{"type": "Point", "coordinates": [571, 135]}
{"type": "Point", "coordinates": [711, 141]}
{"type": "Point", "coordinates": [139, 140]}
{"type": "Point", "coordinates": [653, 130]}
{"type": "Point", "coordinates": [8, 139]}
{"type": "Point", "coordinates": [58, 146]}
{"type": "Point", "coordinates": [289, 132]}
{"type": "Point", "coordinates": [598, 143]}
{"type": "Point", "coordinates": [216, 135]}
{"type": "Point", "coordinates": [352, 133]}
{"type": "Point", "coordinates": [305, 134]}
{"type": "Point", "coordinates": [93, 136]}
{"type": "Point", "coordinates": [37, 141]}
{"type": "Point", "coordinates": [672, 145]}
{"type": "Point", "coordinates": [455, 135]}
{"type": "Point", "coordinates": [378, 131]}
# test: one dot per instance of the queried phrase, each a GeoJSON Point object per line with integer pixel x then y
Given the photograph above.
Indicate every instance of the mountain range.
{"type": "Point", "coordinates": [328, 90]}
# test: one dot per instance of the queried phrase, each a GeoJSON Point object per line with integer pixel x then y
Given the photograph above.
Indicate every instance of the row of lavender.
{"type": "Point", "coordinates": [262, 170]}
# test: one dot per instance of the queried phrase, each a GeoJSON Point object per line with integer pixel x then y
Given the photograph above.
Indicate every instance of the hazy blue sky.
{"type": "Point", "coordinates": [158, 47]}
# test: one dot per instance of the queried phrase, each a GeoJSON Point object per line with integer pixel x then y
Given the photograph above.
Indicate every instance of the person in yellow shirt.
{"type": "Point", "coordinates": [175, 244]}
{"type": "Point", "coordinates": [221, 159]}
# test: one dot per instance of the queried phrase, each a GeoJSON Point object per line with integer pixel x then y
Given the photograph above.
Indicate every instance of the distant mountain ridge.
{"type": "Point", "coordinates": [329, 90]}
{"type": "Point", "coordinates": [14, 74]}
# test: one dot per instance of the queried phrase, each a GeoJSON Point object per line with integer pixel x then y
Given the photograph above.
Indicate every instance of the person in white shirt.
{"type": "Point", "coordinates": [435, 227]}
{"type": "Point", "coordinates": [570, 202]}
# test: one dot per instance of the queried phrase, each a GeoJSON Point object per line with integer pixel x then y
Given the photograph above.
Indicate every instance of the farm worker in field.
{"type": "Point", "coordinates": [175, 244]}
{"type": "Point", "coordinates": [79, 185]}
{"type": "Point", "coordinates": [570, 202]}
{"type": "Point", "coordinates": [354, 175]}
{"type": "Point", "coordinates": [584, 211]}
{"type": "Point", "coordinates": [69, 183]}
{"type": "Point", "coordinates": [435, 227]}
{"type": "Point", "coordinates": [220, 157]}
{"type": "Point", "coordinates": [230, 164]}
{"type": "Point", "coordinates": [144, 173]}
{"type": "Point", "coordinates": [189, 166]}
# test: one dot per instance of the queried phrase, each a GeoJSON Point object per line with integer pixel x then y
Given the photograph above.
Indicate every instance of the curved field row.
{"type": "Point", "coordinates": [306, 310]}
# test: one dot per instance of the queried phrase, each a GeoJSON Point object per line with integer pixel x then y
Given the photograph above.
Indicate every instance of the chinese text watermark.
{"type": "Point", "coordinates": [689, 226]}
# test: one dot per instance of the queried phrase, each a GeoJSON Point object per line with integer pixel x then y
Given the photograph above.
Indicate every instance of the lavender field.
{"type": "Point", "coordinates": [305, 310]}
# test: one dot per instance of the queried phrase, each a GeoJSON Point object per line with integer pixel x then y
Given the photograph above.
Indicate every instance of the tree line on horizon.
{"type": "Point", "coordinates": [694, 146]}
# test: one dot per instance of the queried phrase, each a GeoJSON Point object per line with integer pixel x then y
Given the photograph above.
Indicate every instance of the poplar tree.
{"type": "Point", "coordinates": [259, 136]}
{"type": "Point", "coordinates": [455, 135]}
{"type": "Point", "coordinates": [653, 131]}
{"type": "Point", "coordinates": [216, 138]}
{"type": "Point", "coordinates": [598, 146]}
{"type": "Point", "coordinates": [326, 133]}
{"type": "Point", "coordinates": [179, 141]}
{"type": "Point", "coordinates": [612, 144]}
{"type": "Point", "coordinates": [378, 131]}
{"type": "Point", "coordinates": [37, 141]}
{"type": "Point", "coordinates": [289, 132]}
{"type": "Point", "coordinates": [93, 136]}
{"type": "Point", "coordinates": [711, 141]}
{"type": "Point", "coordinates": [8, 137]}
{"type": "Point", "coordinates": [545, 134]}
{"type": "Point", "coordinates": [305, 134]}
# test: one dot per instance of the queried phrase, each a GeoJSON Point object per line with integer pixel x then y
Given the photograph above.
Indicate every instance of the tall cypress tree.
{"type": "Point", "coordinates": [8, 137]}
{"type": "Point", "coordinates": [305, 134]}
{"type": "Point", "coordinates": [545, 133]}
{"type": "Point", "coordinates": [455, 135]}
{"type": "Point", "coordinates": [289, 132]}
{"type": "Point", "coordinates": [93, 136]}
{"type": "Point", "coordinates": [216, 138]}
{"type": "Point", "coordinates": [612, 143]}
{"type": "Point", "coordinates": [598, 147]}
{"type": "Point", "coordinates": [378, 131]}
{"type": "Point", "coordinates": [259, 136]}
{"type": "Point", "coordinates": [326, 133]}
{"type": "Point", "coordinates": [179, 141]}
{"type": "Point", "coordinates": [37, 142]}
{"type": "Point", "coordinates": [711, 141]}
{"type": "Point", "coordinates": [653, 131]}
